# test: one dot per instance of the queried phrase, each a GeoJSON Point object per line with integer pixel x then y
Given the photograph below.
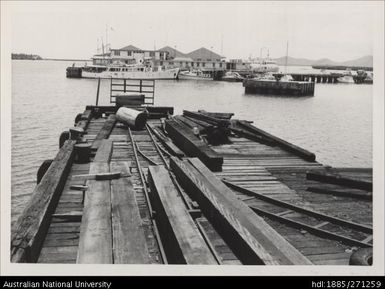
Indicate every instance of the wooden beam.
{"type": "Point", "coordinates": [95, 241]}
{"type": "Point", "coordinates": [223, 115]}
{"type": "Point", "coordinates": [32, 225]}
{"type": "Point", "coordinates": [252, 240]}
{"type": "Point", "coordinates": [340, 180]}
{"type": "Point", "coordinates": [280, 142]}
{"type": "Point", "coordinates": [252, 136]}
{"type": "Point", "coordinates": [192, 146]}
{"type": "Point", "coordinates": [104, 132]}
{"type": "Point", "coordinates": [100, 176]}
{"type": "Point", "coordinates": [349, 193]}
{"type": "Point", "coordinates": [181, 239]}
{"type": "Point", "coordinates": [129, 242]}
{"type": "Point", "coordinates": [209, 119]}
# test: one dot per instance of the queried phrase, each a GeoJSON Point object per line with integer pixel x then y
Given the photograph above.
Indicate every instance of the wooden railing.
{"type": "Point", "coordinates": [123, 86]}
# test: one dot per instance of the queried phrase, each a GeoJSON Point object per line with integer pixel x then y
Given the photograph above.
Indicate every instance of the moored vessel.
{"type": "Point", "coordinates": [129, 72]}
{"type": "Point", "coordinates": [232, 76]}
{"type": "Point", "coordinates": [195, 75]}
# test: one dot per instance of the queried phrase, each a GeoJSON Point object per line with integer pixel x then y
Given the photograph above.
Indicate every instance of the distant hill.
{"type": "Point", "coordinates": [26, 56]}
{"type": "Point", "coordinates": [293, 61]}
{"type": "Point", "coordinates": [363, 61]}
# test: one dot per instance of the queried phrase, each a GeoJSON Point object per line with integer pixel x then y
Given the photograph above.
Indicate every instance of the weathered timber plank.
{"type": "Point", "coordinates": [339, 180]}
{"type": "Point", "coordinates": [252, 240]}
{"type": "Point", "coordinates": [129, 242]}
{"type": "Point", "coordinates": [95, 243]}
{"type": "Point", "coordinates": [182, 241]}
{"type": "Point", "coordinates": [280, 142]}
{"type": "Point", "coordinates": [32, 225]}
{"type": "Point", "coordinates": [192, 146]}
{"type": "Point", "coordinates": [104, 132]}
{"type": "Point", "coordinates": [209, 119]}
{"type": "Point", "coordinates": [362, 195]}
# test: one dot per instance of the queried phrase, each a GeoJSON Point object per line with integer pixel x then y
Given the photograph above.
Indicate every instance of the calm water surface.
{"type": "Point", "coordinates": [335, 124]}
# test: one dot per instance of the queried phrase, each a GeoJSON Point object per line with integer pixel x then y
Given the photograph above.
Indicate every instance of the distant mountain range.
{"type": "Point", "coordinates": [366, 61]}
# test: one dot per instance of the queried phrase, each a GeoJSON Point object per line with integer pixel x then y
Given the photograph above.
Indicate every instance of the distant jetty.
{"type": "Point", "coordinates": [26, 56]}
{"type": "Point", "coordinates": [342, 67]}
{"type": "Point", "coordinates": [62, 59]}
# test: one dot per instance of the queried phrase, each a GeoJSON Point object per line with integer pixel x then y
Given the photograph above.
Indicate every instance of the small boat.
{"type": "Point", "coordinates": [347, 77]}
{"type": "Point", "coordinates": [195, 75]}
{"type": "Point", "coordinates": [231, 76]}
{"type": "Point", "coordinates": [136, 71]}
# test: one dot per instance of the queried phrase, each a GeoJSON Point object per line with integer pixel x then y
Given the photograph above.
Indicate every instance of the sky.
{"type": "Point", "coordinates": [336, 30]}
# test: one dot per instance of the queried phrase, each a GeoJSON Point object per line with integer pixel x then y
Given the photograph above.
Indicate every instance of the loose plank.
{"type": "Point", "coordinates": [129, 242]}
{"type": "Point", "coordinates": [95, 242]}
{"type": "Point", "coordinates": [181, 238]}
{"type": "Point", "coordinates": [104, 132]}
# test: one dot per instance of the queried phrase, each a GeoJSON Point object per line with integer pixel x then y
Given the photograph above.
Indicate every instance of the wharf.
{"type": "Point", "coordinates": [317, 77]}
{"type": "Point", "coordinates": [163, 195]}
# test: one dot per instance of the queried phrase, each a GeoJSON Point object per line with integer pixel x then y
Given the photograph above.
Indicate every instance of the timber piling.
{"type": "Point", "coordinates": [173, 192]}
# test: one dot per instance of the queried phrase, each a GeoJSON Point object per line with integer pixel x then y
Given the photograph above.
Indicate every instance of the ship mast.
{"type": "Point", "coordinates": [287, 56]}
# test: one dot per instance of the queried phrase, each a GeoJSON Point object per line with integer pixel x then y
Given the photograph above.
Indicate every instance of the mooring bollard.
{"type": "Point", "coordinates": [82, 153]}
{"type": "Point", "coordinates": [76, 133]}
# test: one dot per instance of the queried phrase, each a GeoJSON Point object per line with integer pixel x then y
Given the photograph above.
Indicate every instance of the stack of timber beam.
{"type": "Point", "coordinates": [214, 125]}
{"type": "Point", "coordinates": [184, 138]}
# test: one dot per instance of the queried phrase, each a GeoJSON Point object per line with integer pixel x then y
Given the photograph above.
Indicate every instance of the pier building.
{"type": "Point", "coordinates": [202, 58]}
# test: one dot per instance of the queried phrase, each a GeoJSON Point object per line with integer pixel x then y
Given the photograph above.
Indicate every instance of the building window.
{"type": "Point", "coordinates": [213, 64]}
{"type": "Point", "coordinates": [208, 59]}
{"type": "Point", "coordinates": [160, 62]}
{"type": "Point", "coordinates": [129, 53]}
{"type": "Point", "coordinates": [117, 52]}
{"type": "Point", "coordinates": [199, 59]}
{"type": "Point", "coordinates": [192, 64]}
{"type": "Point", "coordinates": [203, 64]}
{"type": "Point", "coordinates": [220, 64]}
{"type": "Point", "coordinates": [152, 53]}
{"type": "Point", "coordinates": [197, 64]}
